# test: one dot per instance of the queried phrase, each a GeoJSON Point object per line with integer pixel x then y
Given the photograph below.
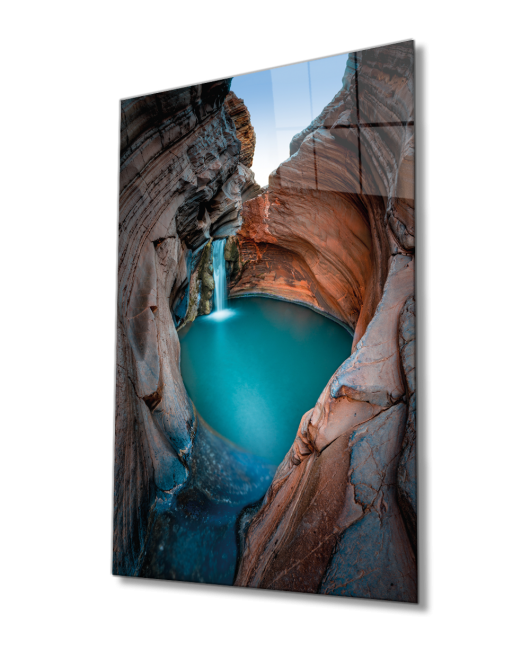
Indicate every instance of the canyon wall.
{"type": "Point", "coordinates": [335, 231]}
{"type": "Point", "coordinates": [342, 204]}
{"type": "Point", "coordinates": [181, 182]}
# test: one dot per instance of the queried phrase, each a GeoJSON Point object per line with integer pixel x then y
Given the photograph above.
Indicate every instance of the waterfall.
{"type": "Point", "coordinates": [219, 275]}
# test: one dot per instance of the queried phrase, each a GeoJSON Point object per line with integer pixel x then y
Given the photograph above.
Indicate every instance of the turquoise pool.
{"type": "Point", "coordinates": [254, 369]}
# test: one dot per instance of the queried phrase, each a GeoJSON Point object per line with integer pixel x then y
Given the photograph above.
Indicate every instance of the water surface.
{"type": "Point", "coordinates": [254, 369]}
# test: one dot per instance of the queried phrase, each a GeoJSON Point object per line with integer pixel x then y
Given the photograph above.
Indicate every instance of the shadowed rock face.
{"type": "Point", "coordinates": [193, 532]}
{"type": "Point", "coordinates": [245, 131]}
{"type": "Point", "coordinates": [180, 175]}
{"type": "Point", "coordinates": [224, 210]}
{"type": "Point", "coordinates": [335, 230]}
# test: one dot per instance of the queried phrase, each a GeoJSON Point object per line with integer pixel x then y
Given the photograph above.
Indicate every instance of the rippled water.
{"type": "Point", "coordinates": [255, 368]}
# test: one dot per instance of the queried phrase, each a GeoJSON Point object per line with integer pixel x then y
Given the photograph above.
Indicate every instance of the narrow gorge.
{"type": "Point", "coordinates": [326, 244]}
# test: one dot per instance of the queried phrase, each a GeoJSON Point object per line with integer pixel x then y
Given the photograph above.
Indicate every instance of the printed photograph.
{"type": "Point", "coordinates": [265, 362]}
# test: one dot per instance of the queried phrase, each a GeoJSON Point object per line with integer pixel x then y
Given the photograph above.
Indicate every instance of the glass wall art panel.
{"type": "Point", "coordinates": [265, 394]}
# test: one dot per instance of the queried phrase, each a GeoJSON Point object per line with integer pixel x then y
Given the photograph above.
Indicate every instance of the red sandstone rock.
{"type": "Point", "coordinates": [337, 218]}
{"type": "Point", "coordinates": [325, 484]}
{"type": "Point", "coordinates": [335, 230]}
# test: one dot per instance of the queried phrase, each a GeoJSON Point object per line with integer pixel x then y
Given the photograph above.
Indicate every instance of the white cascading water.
{"type": "Point", "coordinates": [219, 277]}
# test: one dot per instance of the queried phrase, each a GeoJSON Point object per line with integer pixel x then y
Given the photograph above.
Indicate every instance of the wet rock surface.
{"type": "Point", "coordinates": [193, 533]}
{"type": "Point", "coordinates": [205, 277]}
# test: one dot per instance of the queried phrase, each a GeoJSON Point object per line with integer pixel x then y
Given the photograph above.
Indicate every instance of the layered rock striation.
{"type": "Point", "coordinates": [221, 216]}
{"type": "Point", "coordinates": [245, 131]}
{"type": "Point", "coordinates": [335, 231]}
{"type": "Point", "coordinates": [180, 176]}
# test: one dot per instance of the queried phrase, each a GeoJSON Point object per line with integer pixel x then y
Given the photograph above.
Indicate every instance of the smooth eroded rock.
{"type": "Point", "coordinates": [335, 230]}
